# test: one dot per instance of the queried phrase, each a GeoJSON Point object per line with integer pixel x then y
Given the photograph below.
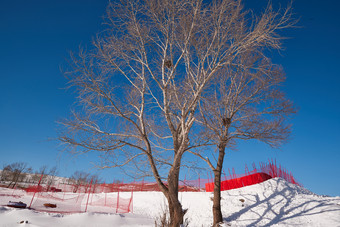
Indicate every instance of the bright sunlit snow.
{"type": "Point", "coordinates": [272, 203]}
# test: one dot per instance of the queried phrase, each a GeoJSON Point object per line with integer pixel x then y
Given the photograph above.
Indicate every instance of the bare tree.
{"type": "Point", "coordinates": [79, 178]}
{"type": "Point", "coordinates": [140, 86]}
{"type": "Point", "coordinates": [14, 173]}
{"type": "Point", "coordinates": [245, 102]}
{"type": "Point", "coordinates": [4, 173]}
{"type": "Point", "coordinates": [51, 176]}
{"type": "Point", "coordinates": [41, 173]}
{"type": "Point", "coordinates": [29, 173]}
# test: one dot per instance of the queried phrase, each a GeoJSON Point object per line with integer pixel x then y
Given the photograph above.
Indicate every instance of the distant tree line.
{"type": "Point", "coordinates": [19, 173]}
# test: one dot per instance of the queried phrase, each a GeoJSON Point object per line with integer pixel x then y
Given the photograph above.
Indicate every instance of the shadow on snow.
{"type": "Point", "coordinates": [281, 205]}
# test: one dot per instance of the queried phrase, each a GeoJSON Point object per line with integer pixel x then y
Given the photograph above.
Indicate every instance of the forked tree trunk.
{"type": "Point", "coordinates": [175, 207]}
{"type": "Point", "coordinates": [217, 213]}
{"type": "Point", "coordinates": [171, 193]}
{"type": "Point", "coordinates": [176, 212]}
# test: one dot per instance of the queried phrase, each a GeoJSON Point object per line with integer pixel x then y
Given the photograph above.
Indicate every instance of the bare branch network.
{"type": "Point", "coordinates": [163, 70]}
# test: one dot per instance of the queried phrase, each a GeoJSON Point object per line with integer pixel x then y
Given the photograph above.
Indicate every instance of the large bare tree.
{"type": "Point", "coordinates": [140, 86]}
{"type": "Point", "coordinates": [245, 102]}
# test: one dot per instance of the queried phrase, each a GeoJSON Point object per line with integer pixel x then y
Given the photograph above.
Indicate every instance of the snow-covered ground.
{"type": "Point", "coordinates": [271, 203]}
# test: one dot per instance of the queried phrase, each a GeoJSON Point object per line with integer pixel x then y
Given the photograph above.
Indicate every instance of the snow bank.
{"type": "Point", "coordinates": [272, 203]}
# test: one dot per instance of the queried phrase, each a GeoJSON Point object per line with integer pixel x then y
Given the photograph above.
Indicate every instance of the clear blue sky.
{"type": "Point", "coordinates": [36, 36]}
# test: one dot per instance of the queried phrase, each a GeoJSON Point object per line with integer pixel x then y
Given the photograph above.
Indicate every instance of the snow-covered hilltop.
{"type": "Point", "coordinates": [272, 203]}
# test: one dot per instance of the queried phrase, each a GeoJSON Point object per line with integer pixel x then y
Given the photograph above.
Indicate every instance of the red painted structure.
{"type": "Point", "coordinates": [239, 182]}
{"type": "Point", "coordinates": [267, 171]}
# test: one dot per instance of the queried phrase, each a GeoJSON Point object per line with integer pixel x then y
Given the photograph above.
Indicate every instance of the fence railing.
{"type": "Point", "coordinates": [265, 172]}
{"type": "Point", "coordinates": [117, 197]}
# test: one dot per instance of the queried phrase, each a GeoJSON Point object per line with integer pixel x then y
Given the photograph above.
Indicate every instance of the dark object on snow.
{"type": "Point", "coordinates": [242, 200]}
{"type": "Point", "coordinates": [50, 205]}
{"type": "Point", "coordinates": [54, 189]}
{"type": "Point", "coordinates": [17, 204]}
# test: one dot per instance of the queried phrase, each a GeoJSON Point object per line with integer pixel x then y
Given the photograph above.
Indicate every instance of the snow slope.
{"type": "Point", "coordinates": [272, 203]}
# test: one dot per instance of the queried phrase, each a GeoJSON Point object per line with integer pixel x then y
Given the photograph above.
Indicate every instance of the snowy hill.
{"type": "Point", "coordinates": [272, 203]}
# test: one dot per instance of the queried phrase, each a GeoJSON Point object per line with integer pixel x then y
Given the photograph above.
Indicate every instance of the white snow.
{"type": "Point", "coordinates": [272, 203]}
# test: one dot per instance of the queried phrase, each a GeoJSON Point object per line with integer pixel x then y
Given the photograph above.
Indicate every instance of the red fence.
{"type": "Point", "coordinates": [118, 197]}
{"type": "Point", "coordinates": [73, 198]}
{"type": "Point", "coordinates": [265, 172]}
{"type": "Point", "coordinates": [83, 198]}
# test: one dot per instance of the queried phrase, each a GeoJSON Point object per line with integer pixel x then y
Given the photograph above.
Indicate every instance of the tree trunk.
{"type": "Point", "coordinates": [175, 207]}
{"type": "Point", "coordinates": [171, 191]}
{"type": "Point", "coordinates": [175, 210]}
{"type": "Point", "coordinates": [217, 213]}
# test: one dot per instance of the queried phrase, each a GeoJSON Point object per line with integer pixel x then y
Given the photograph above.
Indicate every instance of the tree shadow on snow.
{"type": "Point", "coordinates": [281, 205]}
